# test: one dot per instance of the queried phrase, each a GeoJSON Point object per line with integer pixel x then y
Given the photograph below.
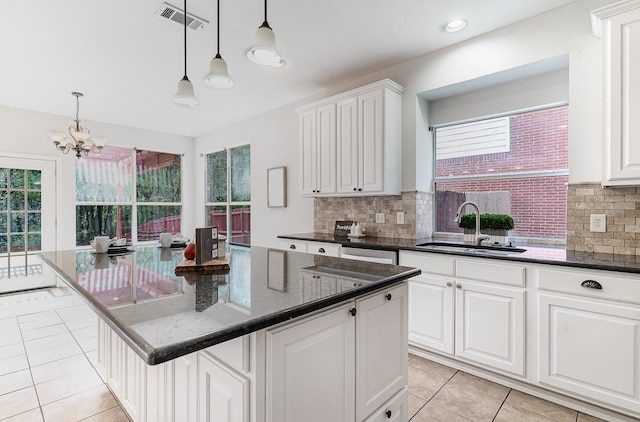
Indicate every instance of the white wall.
{"type": "Point", "coordinates": [24, 135]}
{"type": "Point", "coordinates": [564, 31]}
{"type": "Point", "coordinates": [273, 135]}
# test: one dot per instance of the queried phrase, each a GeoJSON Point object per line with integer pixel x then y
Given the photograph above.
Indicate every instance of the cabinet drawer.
{"type": "Point", "coordinates": [615, 286]}
{"type": "Point", "coordinates": [323, 248]}
{"type": "Point", "coordinates": [427, 262]}
{"type": "Point", "coordinates": [293, 245]}
{"type": "Point", "coordinates": [396, 409]}
{"type": "Point", "coordinates": [492, 271]}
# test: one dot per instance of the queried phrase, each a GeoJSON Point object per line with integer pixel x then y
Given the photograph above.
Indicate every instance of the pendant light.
{"type": "Point", "coordinates": [218, 73]}
{"type": "Point", "coordinates": [185, 95]}
{"type": "Point", "coordinates": [264, 47]}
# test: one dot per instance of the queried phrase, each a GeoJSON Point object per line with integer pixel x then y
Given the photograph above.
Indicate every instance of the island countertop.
{"type": "Point", "coordinates": [162, 316]}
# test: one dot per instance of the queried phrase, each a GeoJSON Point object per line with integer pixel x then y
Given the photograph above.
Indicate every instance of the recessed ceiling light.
{"type": "Point", "coordinates": [455, 25]}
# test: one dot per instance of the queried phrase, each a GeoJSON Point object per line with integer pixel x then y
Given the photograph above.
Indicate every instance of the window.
{"type": "Point", "coordinates": [109, 204]}
{"type": "Point", "coordinates": [526, 177]}
{"type": "Point", "coordinates": [228, 202]}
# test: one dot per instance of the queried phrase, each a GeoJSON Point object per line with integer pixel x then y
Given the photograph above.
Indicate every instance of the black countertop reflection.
{"type": "Point", "coordinates": [535, 253]}
{"type": "Point", "coordinates": [163, 316]}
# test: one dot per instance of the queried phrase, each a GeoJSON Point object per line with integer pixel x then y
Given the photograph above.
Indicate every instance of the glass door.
{"type": "Point", "coordinates": [27, 222]}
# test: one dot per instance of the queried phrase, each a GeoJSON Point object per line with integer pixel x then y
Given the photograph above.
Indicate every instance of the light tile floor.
{"type": "Point", "coordinates": [47, 355]}
{"type": "Point", "coordinates": [48, 351]}
{"type": "Point", "coordinates": [438, 393]}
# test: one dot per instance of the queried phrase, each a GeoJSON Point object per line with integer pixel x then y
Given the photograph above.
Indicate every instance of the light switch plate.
{"type": "Point", "coordinates": [400, 217]}
{"type": "Point", "coordinates": [380, 218]}
{"type": "Point", "coordinates": [598, 223]}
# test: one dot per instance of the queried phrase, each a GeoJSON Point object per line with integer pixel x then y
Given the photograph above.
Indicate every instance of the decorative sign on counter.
{"type": "Point", "coordinates": [343, 228]}
{"type": "Point", "coordinates": [206, 244]}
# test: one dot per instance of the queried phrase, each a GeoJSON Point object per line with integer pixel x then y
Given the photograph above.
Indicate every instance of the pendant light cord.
{"type": "Point", "coordinates": [185, 41]}
{"type": "Point", "coordinates": [265, 10]}
{"type": "Point", "coordinates": [218, 52]}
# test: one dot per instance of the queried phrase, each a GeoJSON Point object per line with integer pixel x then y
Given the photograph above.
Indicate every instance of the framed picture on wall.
{"type": "Point", "coordinates": [277, 187]}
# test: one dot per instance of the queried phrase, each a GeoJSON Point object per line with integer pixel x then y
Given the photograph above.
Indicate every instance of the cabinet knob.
{"type": "Point", "coordinates": [353, 311]}
{"type": "Point", "coordinates": [591, 284]}
{"type": "Point", "coordinates": [448, 284]}
{"type": "Point", "coordinates": [355, 189]}
{"type": "Point", "coordinates": [388, 414]}
{"type": "Point", "coordinates": [321, 250]}
{"type": "Point", "coordinates": [292, 246]}
{"type": "Point", "coordinates": [359, 189]}
{"type": "Point", "coordinates": [388, 296]}
{"type": "Point", "coordinates": [458, 286]}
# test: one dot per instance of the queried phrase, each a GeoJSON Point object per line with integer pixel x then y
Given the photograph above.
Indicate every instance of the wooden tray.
{"type": "Point", "coordinates": [215, 266]}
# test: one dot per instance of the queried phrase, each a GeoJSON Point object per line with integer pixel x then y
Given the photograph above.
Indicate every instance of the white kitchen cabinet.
{"type": "Point", "coordinates": [591, 348]}
{"type": "Point", "coordinates": [470, 309]}
{"type": "Point", "coordinates": [316, 285]}
{"type": "Point", "coordinates": [344, 364]}
{"type": "Point", "coordinates": [381, 349]}
{"type": "Point", "coordinates": [316, 357]}
{"type": "Point", "coordinates": [589, 334]}
{"type": "Point", "coordinates": [223, 393]}
{"type": "Point", "coordinates": [367, 130]}
{"type": "Point", "coordinates": [316, 248]}
{"type": "Point", "coordinates": [396, 410]}
{"type": "Point", "coordinates": [317, 133]}
{"type": "Point", "coordinates": [490, 325]}
{"type": "Point", "coordinates": [619, 26]}
{"type": "Point", "coordinates": [431, 300]}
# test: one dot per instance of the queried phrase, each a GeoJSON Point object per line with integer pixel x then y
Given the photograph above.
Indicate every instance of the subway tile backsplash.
{"type": "Point", "coordinates": [621, 205]}
{"type": "Point", "coordinates": [415, 205]}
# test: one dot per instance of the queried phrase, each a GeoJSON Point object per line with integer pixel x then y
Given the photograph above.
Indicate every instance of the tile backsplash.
{"type": "Point", "coordinates": [621, 205]}
{"type": "Point", "coordinates": [416, 206]}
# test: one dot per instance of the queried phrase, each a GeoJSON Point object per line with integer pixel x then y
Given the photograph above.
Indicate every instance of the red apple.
{"type": "Point", "coordinates": [190, 251]}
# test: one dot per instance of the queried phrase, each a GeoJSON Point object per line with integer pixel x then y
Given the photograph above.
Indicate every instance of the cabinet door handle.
{"type": "Point", "coordinates": [321, 250]}
{"type": "Point", "coordinates": [292, 246]}
{"type": "Point", "coordinates": [388, 414]}
{"type": "Point", "coordinates": [448, 284]}
{"type": "Point", "coordinates": [458, 286]}
{"type": "Point", "coordinates": [388, 296]}
{"type": "Point", "coordinates": [353, 311]}
{"type": "Point", "coordinates": [591, 284]}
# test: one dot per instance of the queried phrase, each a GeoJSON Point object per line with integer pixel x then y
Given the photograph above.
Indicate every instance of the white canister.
{"type": "Point", "coordinates": [101, 243]}
{"type": "Point", "coordinates": [166, 239]}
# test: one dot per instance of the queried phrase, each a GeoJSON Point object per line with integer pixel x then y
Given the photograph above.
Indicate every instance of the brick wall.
{"type": "Point", "coordinates": [621, 205]}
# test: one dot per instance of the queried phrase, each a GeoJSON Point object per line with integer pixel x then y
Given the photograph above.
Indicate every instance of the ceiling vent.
{"type": "Point", "coordinates": [177, 15]}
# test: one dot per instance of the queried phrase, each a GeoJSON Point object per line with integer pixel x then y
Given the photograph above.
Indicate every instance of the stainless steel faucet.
{"type": "Point", "coordinates": [479, 237]}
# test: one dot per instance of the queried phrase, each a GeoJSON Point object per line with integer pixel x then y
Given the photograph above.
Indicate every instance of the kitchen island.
{"type": "Point", "coordinates": [282, 336]}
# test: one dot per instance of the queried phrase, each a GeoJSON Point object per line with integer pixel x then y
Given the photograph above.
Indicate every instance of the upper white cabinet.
{"type": "Point", "coordinates": [351, 143]}
{"type": "Point", "coordinates": [317, 132]}
{"type": "Point", "coordinates": [619, 26]}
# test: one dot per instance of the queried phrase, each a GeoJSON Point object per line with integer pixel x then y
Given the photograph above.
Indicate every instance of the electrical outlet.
{"type": "Point", "coordinates": [380, 217]}
{"type": "Point", "coordinates": [400, 217]}
{"type": "Point", "coordinates": [598, 223]}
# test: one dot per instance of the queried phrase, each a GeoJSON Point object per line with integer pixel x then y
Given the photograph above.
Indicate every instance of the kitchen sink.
{"type": "Point", "coordinates": [465, 247]}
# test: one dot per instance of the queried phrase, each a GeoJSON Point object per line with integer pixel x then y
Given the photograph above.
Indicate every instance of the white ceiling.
{"type": "Point", "coordinates": [128, 61]}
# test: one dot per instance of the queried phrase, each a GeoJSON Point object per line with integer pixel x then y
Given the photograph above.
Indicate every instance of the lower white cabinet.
{"type": "Point", "coordinates": [395, 410]}
{"type": "Point", "coordinates": [431, 312]}
{"type": "Point", "coordinates": [223, 394]}
{"type": "Point", "coordinates": [489, 325]}
{"type": "Point", "coordinates": [591, 348]}
{"type": "Point", "coordinates": [340, 365]}
{"type": "Point", "coordinates": [479, 320]}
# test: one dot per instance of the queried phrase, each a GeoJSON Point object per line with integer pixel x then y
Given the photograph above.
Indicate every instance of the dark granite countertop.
{"type": "Point", "coordinates": [541, 254]}
{"type": "Point", "coordinates": [162, 316]}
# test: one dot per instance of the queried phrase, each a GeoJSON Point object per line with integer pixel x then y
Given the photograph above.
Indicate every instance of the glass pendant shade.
{"type": "Point", "coordinates": [185, 95]}
{"type": "Point", "coordinates": [218, 74]}
{"type": "Point", "coordinates": [264, 47]}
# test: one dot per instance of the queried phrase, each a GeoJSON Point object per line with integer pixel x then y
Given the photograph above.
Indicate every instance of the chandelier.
{"type": "Point", "coordinates": [81, 141]}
